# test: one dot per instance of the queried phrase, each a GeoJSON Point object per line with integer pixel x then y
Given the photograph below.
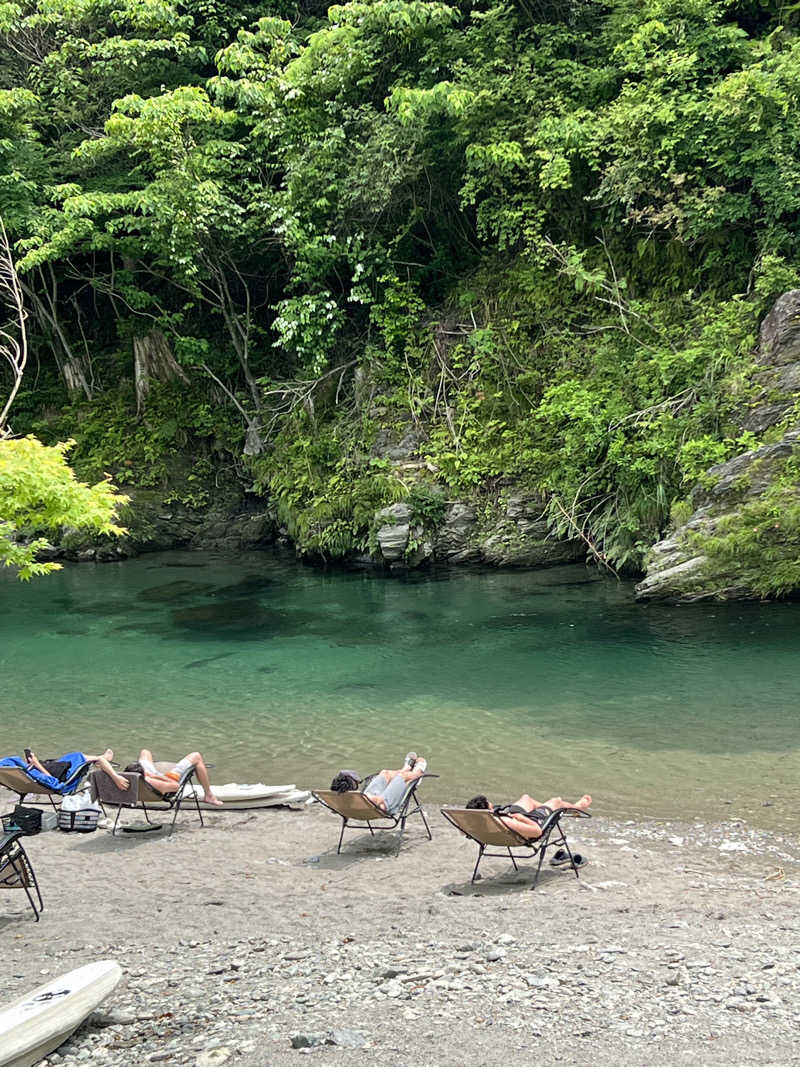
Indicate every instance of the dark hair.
{"type": "Point", "coordinates": [479, 801]}
{"type": "Point", "coordinates": [344, 783]}
{"type": "Point", "coordinates": [135, 768]}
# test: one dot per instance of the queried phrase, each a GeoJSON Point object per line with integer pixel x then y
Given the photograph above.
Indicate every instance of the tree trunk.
{"type": "Point", "coordinates": [153, 361]}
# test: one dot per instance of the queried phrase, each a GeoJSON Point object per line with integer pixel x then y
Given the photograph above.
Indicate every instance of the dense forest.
{"type": "Point", "coordinates": [251, 237]}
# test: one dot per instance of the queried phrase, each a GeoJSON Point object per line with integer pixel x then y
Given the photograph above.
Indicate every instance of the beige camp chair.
{"type": "Point", "coordinates": [139, 794]}
{"type": "Point", "coordinates": [16, 870]}
{"type": "Point", "coordinates": [353, 807]}
{"type": "Point", "coordinates": [17, 781]}
{"type": "Point", "coordinates": [488, 830]}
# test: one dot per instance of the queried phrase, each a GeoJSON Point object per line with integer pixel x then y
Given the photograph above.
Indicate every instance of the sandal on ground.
{"type": "Point", "coordinates": [559, 858]}
{"type": "Point", "coordinates": [578, 861]}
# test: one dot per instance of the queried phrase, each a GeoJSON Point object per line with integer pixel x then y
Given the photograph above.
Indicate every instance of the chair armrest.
{"type": "Point", "coordinates": [104, 789]}
{"type": "Point", "coordinates": [554, 818]}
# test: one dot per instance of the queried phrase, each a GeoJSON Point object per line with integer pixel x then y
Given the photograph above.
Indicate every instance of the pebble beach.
{"type": "Point", "coordinates": [250, 942]}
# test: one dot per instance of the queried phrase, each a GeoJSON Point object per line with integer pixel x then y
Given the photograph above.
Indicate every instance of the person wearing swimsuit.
{"type": "Point", "coordinates": [527, 816]}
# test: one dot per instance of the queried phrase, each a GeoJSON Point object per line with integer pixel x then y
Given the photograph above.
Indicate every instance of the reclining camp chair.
{"type": "Point", "coordinates": [23, 782]}
{"type": "Point", "coordinates": [139, 794]}
{"type": "Point", "coordinates": [16, 870]}
{"type": "Point", "coordinates": [356, 807]}
{"type": "Point", "coordinates": [487, 830]}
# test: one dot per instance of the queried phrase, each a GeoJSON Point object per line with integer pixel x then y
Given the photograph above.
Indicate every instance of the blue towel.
{"type": "Point", "coordinates": [76, 761]}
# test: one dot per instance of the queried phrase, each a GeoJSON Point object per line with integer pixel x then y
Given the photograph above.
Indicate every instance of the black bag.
{"type": "Point", "coordinates": [29, 820]}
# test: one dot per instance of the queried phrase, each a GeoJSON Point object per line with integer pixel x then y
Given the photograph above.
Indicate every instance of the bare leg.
{"type": "Point", "coordinates": [558, 802]}
{"type": "Point", "coordinates": [107, 755]}
{"type": "Point", "coordinates": [527, 802]}
{"type": "Point", "coordinates": [202, 777]}
{"type": "Point", "coordinates": [146, 754]}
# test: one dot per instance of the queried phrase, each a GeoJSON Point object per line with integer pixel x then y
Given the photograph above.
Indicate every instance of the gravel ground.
{"type": "Point", "coordinates": [251, 942]}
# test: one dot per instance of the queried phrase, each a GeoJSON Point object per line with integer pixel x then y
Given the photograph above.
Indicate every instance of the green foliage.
{"type": "Point", "coordinates": [594, 203]}
{"type": "Point", "coordinates": [40, 493]}
{"type": "Point", "coordinates": [426, 506]}
{"type": "Point", "coordinates": [326, 486]}
{"type": "Point", "coordinates": [760, 542]}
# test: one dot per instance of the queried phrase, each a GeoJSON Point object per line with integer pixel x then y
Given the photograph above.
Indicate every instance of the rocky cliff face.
{"type": "Point", "coordinates": [155, 526]}
{"type": "Point", "coordinates": [511, 532]}
{"type": "Point", "coordinates": [508, 528]}
{"type": "Point", "coordinates": [722, 551]}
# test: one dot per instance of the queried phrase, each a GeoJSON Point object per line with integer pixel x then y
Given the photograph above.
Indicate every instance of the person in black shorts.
{"type": "Point", "coordinates": [526, 816]}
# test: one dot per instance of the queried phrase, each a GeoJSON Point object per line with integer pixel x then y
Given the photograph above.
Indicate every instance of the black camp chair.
{"type": "Point", "coordinates": [16, 870]}
{"type": "Point", "coordinates": [139, 794]}
{"type": "Point", "coordinates": [487, 829]}
{"type": "Point", "coordinates": [356, 807]}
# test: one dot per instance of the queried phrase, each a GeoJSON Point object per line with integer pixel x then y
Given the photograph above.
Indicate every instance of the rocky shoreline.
{"type": "Point", "coordinates": [252, 942]}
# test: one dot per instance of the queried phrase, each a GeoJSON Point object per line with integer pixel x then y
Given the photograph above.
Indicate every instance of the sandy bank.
{"type": "Point", "coordinates": [238, 937]}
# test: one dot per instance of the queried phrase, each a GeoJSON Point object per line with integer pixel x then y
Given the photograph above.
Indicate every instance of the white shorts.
{"type": "Point", "coordinates": [180, 768]}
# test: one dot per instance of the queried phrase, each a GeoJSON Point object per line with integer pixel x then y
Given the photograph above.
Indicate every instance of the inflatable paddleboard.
{"type": "Point", "coordinates": [39, 1022]}
{"type": "Point", "coordinates": [241, 797]}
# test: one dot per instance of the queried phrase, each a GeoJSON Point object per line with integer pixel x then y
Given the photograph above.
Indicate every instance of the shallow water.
{"type": "Point", "coordinates": [544, 681]}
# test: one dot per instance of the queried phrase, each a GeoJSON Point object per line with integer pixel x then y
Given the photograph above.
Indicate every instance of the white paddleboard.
{"type": "Point", "coordinates": [39, 1022]}
{"type": "Point", "coordinates": [257, 795]}
{"type": "Point", "coordinates": [238, 797]}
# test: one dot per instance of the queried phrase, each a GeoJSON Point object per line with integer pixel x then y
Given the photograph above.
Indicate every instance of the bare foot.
{"type": "Point", "coordinates": [211, 799]}
{"type": "Point", "coordinates": [585, 801]}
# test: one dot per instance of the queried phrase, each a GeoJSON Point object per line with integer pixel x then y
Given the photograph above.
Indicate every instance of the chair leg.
{"type": "Point", "coordinates": [119, 812]}
{"type": "Point", "coordinates": [511, 857]}
{"type": "Point", "coordinates": [36, 886]}
{"type": "Point", "coordinates": [477, 865]}
{"type": "Point", "coordinates": [23, 869]}
{"type": "Point", "coordinates": [539, 866]}
{"type": "Point", "coordinates": [341, 836]}
{"type": "Point", "coordinates": [176, 809]}
{"type": "Point", "coordinates": [427, 828]}
{"type": "Point", "coordinates": [197, 805]}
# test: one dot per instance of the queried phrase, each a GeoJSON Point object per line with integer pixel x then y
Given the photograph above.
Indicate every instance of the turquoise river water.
{"type": "Point", "coordinates": [545, 681]}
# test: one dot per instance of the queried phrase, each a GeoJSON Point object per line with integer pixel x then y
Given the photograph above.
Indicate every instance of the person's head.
{"type": "Point", "coordinates": [135, 768]}
{"type": "Point", "coordinates": [344, 782]}
{"type": "Point", "coordinates": [479, 801]}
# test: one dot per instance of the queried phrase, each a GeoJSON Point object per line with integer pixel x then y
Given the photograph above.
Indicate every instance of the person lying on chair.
{"type": "Point", "coordinates": [388, 788]}
{"type": "Point", "coordinates": [527, 816]}
{"type": "Point", "coordinates": [55, 772]}
{"type": "Point", "coordinates": [168, 781]}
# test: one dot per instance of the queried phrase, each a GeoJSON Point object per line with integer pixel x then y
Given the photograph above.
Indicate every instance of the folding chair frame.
{"type": "Point", "coordinates": [172, 800]}
{"type": "Point", "coordinates": [16, 870]}
{"type": "Point", "coordinates": [398, 819]}
{"type": "Point", "coordinates": [535, 846]}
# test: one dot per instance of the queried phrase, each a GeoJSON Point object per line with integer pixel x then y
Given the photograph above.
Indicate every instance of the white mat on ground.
{"type": "Point", "coordinates": [38, 1022]}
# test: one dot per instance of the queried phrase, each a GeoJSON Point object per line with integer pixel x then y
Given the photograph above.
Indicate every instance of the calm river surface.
{"type": "Point", "coordinates": [547, 681]}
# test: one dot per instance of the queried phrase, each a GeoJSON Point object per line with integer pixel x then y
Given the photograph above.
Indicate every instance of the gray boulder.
{"type": "Point", "coordinates": [677, 567]}
{"type": "Point", "coordinates": [393, 531]}
{"type": "Point", "coordinates": [778, 380]}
